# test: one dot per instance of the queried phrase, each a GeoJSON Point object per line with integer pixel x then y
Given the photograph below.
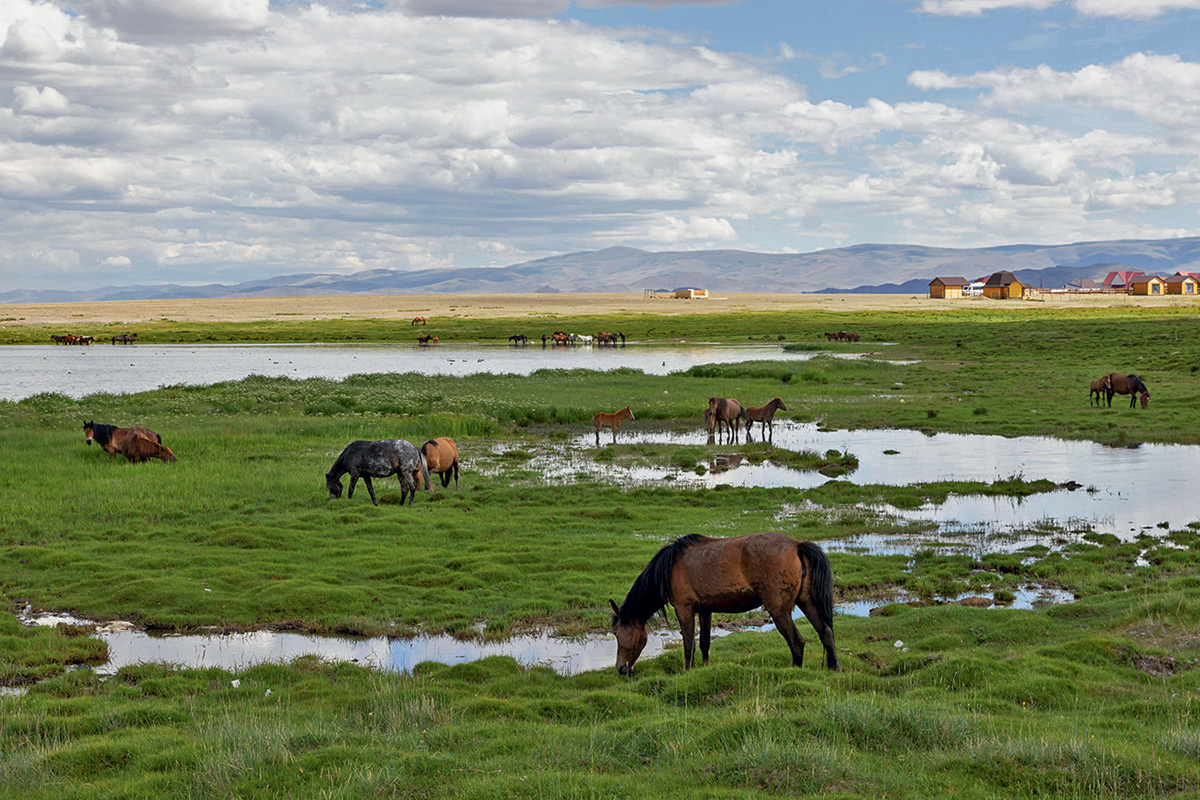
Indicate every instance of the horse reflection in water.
{"type": "Point", "coordinates": [699, 575]}
{"type": "Point", "coordinates": [366, 460]}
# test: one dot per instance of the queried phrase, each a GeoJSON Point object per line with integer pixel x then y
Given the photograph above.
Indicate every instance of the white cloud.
{"type": "Point", "coordinates": [181, 18]}
{"type": "Point", "coordinates": [339, 138]}
{"type": "Point", "coordinates": [1126, 9]}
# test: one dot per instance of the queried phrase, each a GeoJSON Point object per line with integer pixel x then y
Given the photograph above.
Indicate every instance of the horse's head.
{"type": "Point", "coordinates": [334, 485]}
{"type": "Point", "coordinates": [89, 432]}
{"type": "Point", "coordinates": [778, 401]}
{"type": "Point", "coordinates": [1145, 400]}
{"type": "Point", "coordinates": [631, 640]}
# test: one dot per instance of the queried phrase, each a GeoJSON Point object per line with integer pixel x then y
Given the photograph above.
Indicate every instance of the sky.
{"type": "Point", "coordinates": [197, 141]}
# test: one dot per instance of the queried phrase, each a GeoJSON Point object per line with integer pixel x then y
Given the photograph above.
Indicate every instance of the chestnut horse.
{"type": "Point", "coordinates": [699, 575]}
{"type": "Point", "coordinates": [610, 420]}
{"type": "Point", "coordinates": [765, 416]}
{"type": "Point", "coordinates": [1100, 388]}
{"type": "Point", "coordinates": [725, 411]}
{"type": "Point", "coordinates": [136, 443]}
{"type": "Point", "coordinates": [420, 321]}
{"type": "Point", "coordinates": [441, 455]}
{"type": "Point", "coordinates": [1127, 384]}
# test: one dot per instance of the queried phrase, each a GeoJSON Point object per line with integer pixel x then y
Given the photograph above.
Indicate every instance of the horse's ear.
{"type": "Point", "coordinates": [616, 609]}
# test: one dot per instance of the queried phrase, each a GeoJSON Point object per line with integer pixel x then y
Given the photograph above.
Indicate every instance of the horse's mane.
{"type": "Point", "coordinates": [102, 433]}
{"type": "Point", "coordinates": [652, 589]}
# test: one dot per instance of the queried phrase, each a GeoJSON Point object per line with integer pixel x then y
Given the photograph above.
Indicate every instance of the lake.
{"type": "Point", "coordinates": [80, 371]}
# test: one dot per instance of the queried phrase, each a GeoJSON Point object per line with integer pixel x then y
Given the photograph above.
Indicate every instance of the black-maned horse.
{"type": "Point", "coordinates": [1131, 385]}
{"type": "Point", "coordinates": [366, 460]}
{"type": "Point", "coordinates": [699, 575]}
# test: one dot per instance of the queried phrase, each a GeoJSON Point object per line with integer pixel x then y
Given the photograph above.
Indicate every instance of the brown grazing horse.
{"type": "Point", "coordinates": [727, 411]}
{"type": "Point", "coordinates": [1131, 385]}
{"type": "Point", "coordinates": [441, 454]}
{"type": "Point", "coordinates": [611, 421]}
{"type": "Point", "coordinates": [136, 443]}
{"type": "Point", "coordinates": [765, 416]}
{"type": "Point", "coordinates": [420, 321]}
{"type": "Point", "coordinates": [1099, 389]}
{"type": "Point", "coordinates": [699, 576]}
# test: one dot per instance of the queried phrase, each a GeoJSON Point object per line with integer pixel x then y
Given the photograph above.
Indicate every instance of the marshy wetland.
{"type": "Point", "coordinates": [1015, 569]}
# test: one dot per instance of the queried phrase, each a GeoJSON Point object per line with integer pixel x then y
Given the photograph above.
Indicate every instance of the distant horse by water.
{"type": "Point", "coordinates": [725, 411]}
{"type": "Point", "coordinates": [699, 575]}
{"type": "Point", "coordinates": [519, 338]}
{"type": "Point", "coordinates": [1131, 385]}
{"type": "Point", "coordinates": [136, 443]}
{"type": "Point", "coordinates": [427, 339]}
{"type": "Point", "coordinates": [611, 421]}
{"type": "Point", "coordinates": [366, 460]}
{"type": "Point", "coordinates": [441, 456]}
{"type": "Point", "coordinates": [764, 415]}
{"type": "Point", "coordinates": [1099, 389]}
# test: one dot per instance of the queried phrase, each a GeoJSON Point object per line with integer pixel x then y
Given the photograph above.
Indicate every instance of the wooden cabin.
{"type": "Point", "coordinates": [1182, 283]}
{"type": "Point", "coordinates": [947, 288]}
{"type": "Point", "coordinates": [1003, 285]}
{"type": "Point", "coordinates": [691, 293]}
{"type": "Point", "coordinates": [1148, 285]}
{"type": "Point", "coordinates": [1120, 279]}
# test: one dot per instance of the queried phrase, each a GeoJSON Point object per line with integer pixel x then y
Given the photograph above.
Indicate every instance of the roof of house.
{"type": "Point", "coordinates": [1179, 278]}
{"type": "Point", "coordinates": [1002, 278]}
{"type": "Point", "coordinates": [956, 281]}
{"type": "Point", "coordinates": [1141, 277]}
{"type": "Point", "coordinates": [1121, 277]}
{"type": "Point", "coordinates": [1084, 283]}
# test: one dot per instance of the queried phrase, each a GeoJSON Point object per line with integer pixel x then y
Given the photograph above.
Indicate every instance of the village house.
{"type": "Point", "coordinates": [1149, 285]}
{"type": "Point", "coordinates": [1182, 283]}
{"type": "Point", "coordinates": [947, 288]}
{"type": "Point", "coordinates": [1003, 285]}
{"type": "Point", "coordinates": [1120, 279]}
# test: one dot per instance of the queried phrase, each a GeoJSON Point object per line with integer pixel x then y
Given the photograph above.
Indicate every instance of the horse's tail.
{"type": "Point", "coordinates": [821, 580]}
{"type": "Point", "coordinates": [425, 469]}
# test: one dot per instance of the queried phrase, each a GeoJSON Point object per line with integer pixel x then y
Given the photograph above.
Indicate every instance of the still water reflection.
{"type": "Point", "coordinates": [80, 371]}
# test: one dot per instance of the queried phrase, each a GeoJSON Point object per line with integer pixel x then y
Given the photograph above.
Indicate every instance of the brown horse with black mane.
{"type": "Point", "coordinates": [699, 576]}
{"type": "Point", "coordinates": [441, 454]}
{"type": "Point", "coordinates": [765, 416]}
{"type": "Point", "coordinates": [613, 421]}
{"type": "Point", "coordinates": [726, 411]}
{"type": "Point", "coordinates": [136, 443]}
{"type": "Point", "coordinates": [1131, 385]}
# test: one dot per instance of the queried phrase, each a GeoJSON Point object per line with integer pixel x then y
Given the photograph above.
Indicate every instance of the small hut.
{"type": "Point", "coordinates": [1182, 283]}
{"type": "Point", "coordinates": [947, 288]}
{"type": "Point", "coordinates": [1003, 285]}
{"type": "Point", "coordinates": [690, 293]}
{"type": "Point", "coordinates": [1148, 285]}
{"type": "Point", "coordinates": [1120, 279]}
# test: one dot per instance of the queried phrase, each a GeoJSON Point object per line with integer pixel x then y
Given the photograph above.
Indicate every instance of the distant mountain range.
{"type": "Point", "coordinates": [880, 268]}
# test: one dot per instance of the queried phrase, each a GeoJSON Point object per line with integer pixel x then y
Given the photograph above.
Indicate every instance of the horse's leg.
{"type": "Point", "coordinates": [350, 492]}
{"type": "Point", "coordinates": [597, 434]}
{"type": "Point", "coordinates": [615, 426]}
{"type": "Point", "coordinates": [705, 635]}
{"type": "Point", "coordinates": [455, 474]}
{"type": "Point", "coordinates": [825, 632]}
{"type": "Point", "coordinates": [370, 489]}
{"type": "Point", "coordinates": [781, 615]}
{"type": "Point", "coordinates": [1110, 394]}
{"type": "Point", "coordinates": [687, 627]}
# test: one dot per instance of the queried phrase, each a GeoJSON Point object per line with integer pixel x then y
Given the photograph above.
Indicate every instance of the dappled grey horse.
{"type": "Point", "coordinates": [380, 459]}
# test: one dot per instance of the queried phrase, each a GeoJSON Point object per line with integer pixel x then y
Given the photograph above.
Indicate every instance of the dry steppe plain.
{"type": "Point", "coordinates": [497, 306]}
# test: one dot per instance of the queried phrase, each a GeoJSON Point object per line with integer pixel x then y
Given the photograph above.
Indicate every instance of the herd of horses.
{"type": "Point", "coordinates": [697, 575]}
{"type": "Point", "coordinates": [1114, 383]}
{"type": "Point", "coordinates": [842, 336]}
{"type": "Point", "coordinates": [76, 339]}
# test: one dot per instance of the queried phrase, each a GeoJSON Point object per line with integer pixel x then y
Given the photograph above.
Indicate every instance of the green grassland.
{"type": "Point", "coordinates": [1096, 698]}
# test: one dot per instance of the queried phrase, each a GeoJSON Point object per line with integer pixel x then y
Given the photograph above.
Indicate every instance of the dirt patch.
{"type": "Point", "coordinates": [493, 306]}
